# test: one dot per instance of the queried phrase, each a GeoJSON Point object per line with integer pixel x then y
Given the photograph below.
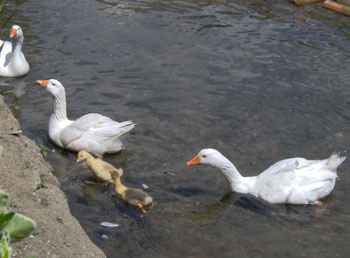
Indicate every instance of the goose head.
{"type": "Point", "coordinates": [208, 157]}
{"type": "Point", "coordinates": [54, 87]}
{"type": "Point", "coordinates": [16, 32]}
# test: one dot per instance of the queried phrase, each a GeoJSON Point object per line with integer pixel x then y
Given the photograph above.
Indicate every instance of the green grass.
{"type": "Point", "coordinates": [43, 150]}
{"type": "Point", "coordinates": [2, 5]}
{"type": "Point", "coordinates": [44, 203]}
{"type": "Point", "coordinates": [43, 179]}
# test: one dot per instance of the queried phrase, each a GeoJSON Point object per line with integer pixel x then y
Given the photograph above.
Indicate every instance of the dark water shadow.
{"type": "Point", "coordinates": [250, 205]}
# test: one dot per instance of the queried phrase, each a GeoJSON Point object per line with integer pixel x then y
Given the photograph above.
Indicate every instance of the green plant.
{"type": "Point", "coordinates": [43, 179]}
{"type": "Point", "coordinates": [14, 227]}
{"type": "Point", "coordinates": [43, 150]}
{"type": "Point", "coordinates": [44, 202]}
{"type": "Point", "coordinates": [2, 5]}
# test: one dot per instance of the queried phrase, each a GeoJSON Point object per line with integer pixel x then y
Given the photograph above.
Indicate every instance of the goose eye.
{"type": "Point", "coordinates": [204, 156]}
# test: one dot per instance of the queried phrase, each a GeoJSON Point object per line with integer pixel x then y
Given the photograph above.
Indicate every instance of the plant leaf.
{"type": "Point", "coordinates": [4, 199]}
{"type": "Point", "coordinates": [5, 250]}
{"type": "Point", "coordinates": [20, 228]}
{"type": "Point", "coordinates": [5, 220]}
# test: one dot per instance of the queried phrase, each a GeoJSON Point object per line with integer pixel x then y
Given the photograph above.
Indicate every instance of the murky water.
{"type": "Point", "coordinates": [259, 81]}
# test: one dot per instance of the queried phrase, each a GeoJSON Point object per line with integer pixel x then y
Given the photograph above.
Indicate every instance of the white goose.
{"type": "Point", "coordinates": [93, 132]}
{"type": "Point", "coordinates": [294, 181]}
{"type": "Point", "coordinates": [12, 61]}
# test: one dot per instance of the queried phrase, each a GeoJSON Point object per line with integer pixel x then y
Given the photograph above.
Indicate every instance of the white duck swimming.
{"type": "Point", "coordinates": [93, 132]}
{"type": "Point", "coordinates": [12, 61]}
{"type": "Point", "coordinates": [294, 181]}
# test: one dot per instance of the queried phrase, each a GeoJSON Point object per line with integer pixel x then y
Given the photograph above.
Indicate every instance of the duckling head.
{"type": "Point", "coordinates": [116, 173]}
{"type": "Point", "coordinates": [119, 171]}
{"type": "Point", "coordinates": [82, 155]}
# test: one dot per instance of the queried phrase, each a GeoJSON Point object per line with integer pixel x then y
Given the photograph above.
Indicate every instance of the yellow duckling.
{"type": "Point", "coordinates": [133, 196]}
{"type": "Point", "coordinates": [101, 169]}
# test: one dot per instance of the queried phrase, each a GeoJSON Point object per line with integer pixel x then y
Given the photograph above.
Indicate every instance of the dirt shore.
{"type": "Point", "coordinates": [35, 192]}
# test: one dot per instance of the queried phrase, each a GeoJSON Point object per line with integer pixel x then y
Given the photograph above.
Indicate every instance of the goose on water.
{"type": "Point", "coordinates": [93, 132]}
{"type": "Point", "coordinates": [12, 61]}
{"type": "Point", "coordinates": [294, 181]}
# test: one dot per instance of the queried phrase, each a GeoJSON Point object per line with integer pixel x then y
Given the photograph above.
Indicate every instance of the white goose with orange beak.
{"type": "Point", "coordinates": [93, 132]}
{"type": "Point", "coordinates": [12, 61]}
{"type": "Point", "coordinates": [294, 181]}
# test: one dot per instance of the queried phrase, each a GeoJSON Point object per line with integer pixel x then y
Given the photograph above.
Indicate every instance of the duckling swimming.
{"type": "Point", "coordinates": [101, 169]}
{"type": "Point", "coordinates": [133, 196]}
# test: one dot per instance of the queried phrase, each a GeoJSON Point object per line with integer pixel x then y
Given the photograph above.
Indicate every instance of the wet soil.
{"type": "Point", "coordinates": [35, 192]}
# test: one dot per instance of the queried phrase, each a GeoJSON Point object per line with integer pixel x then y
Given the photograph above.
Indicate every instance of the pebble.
{"type": "Point", "coordinates": [103, 236]}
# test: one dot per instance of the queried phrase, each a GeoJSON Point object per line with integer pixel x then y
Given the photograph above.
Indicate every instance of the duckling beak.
{"type": "Point", "coordinates": [194, 161]}
{"type": "Point", "coordinates": [13, 33]}
{"type": "Point", "coordinates": [78, 160]}
{"type": "Point", "coordinates": [43, 82]}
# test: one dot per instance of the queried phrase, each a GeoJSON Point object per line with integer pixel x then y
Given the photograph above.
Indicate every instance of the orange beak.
{"type": "Point", "coordinates": [13, 33]}
{"type": "Point", "coordinates": [194, 161]}
{"type": "Point", "coordinates": [43, 82]}
{"type": "Point", "coordinates": [78, 160]}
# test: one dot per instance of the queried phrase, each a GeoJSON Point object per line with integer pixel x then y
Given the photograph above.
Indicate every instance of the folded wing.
{"type": "Point", "coordinates": [94, 127]}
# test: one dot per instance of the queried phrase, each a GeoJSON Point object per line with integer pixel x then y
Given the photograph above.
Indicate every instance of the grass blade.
{"type": "Point", "coordinates": [2, 5]}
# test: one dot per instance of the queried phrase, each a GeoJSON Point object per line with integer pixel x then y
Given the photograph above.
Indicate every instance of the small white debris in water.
{"type": "Point", "coordinates": [339, 135]}
{"type": "Point", "coordinates": [103, 236]}
{"type": "Point", "coordinates": [144, 186]}
{"type": "Point", "coordinates": [109, 224]}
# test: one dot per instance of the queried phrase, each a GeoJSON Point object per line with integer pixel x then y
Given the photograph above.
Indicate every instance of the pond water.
{"type": "Point", "coordinates": [260, 81]}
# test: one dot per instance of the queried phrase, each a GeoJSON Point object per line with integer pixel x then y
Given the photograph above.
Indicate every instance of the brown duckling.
{"type": "Point", "coordinates": [101, 169]}
{"type": "Point", "coordinates": [133, 196]}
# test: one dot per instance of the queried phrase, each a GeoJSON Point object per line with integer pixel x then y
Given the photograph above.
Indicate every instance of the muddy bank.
{"type": "Point", "coordinates": [35, 192]}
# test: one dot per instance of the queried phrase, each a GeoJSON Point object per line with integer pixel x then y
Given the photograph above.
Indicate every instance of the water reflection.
{"type": "Point", "coordinates": [15, 85]}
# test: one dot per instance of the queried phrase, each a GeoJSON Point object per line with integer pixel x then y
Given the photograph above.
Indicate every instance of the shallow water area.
{"type": "Point", "coordinates": [259, 81]}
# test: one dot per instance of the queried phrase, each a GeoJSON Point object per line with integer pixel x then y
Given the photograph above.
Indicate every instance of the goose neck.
{"type": "Point", "coordinates": [231, 172]}
{"type": "Point", "coordinates": [60, 110]}
{"type": "Point", "coordinates": [17, 58]}
{"type": "Point", "coordinates": [236, 180]}
{"type": "Point", "coordinates": [17, 45]}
